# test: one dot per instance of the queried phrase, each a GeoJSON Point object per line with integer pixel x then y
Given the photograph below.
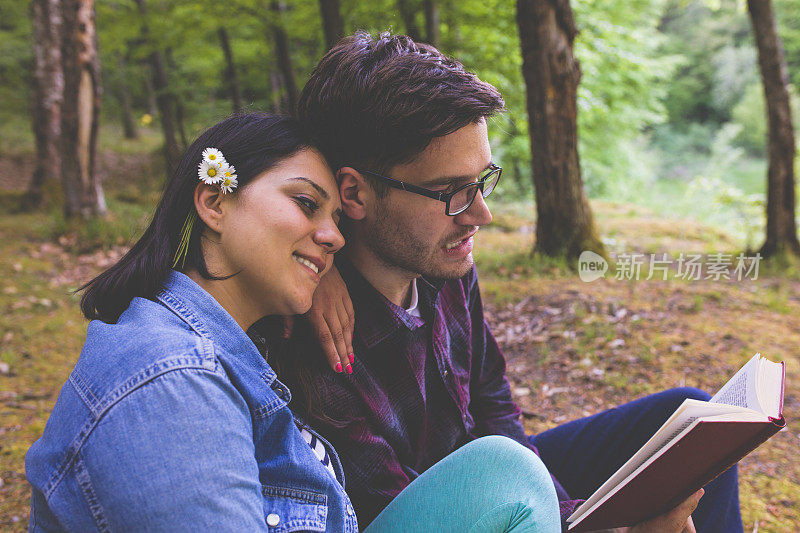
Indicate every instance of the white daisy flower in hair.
{"type": "Point", "coordinates": [228, 183]}
{"type": "Point", "coordinates": [210, 173]}
{"type": "Point", "coordinates": [212, 155]}
{"type": "Point", "coordinates": [229, 171]}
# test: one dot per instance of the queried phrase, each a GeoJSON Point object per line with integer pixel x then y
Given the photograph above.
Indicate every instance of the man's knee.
{"type": "Point", "coordinates": [679, 394]}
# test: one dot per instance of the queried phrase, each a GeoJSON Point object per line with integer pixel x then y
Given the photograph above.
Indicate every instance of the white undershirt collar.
{"type": "Point", "coordinates": [413, 308]}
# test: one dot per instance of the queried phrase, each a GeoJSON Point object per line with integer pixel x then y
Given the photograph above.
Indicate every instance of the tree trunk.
{"type": "Point", "coordinates": [48, 94]}
{"type": "Point", "coordinates": [152, 107]}
{"type": "Point", "coordinates": [283, 56]}
{"type": "Point", "coordinates": [408, 13]}
{"type": "Point", "coordinates": [453, 23]}
{"type": "Point", "coordinates": [230, 70]}
{"type": "Point", "coordinates": [179, 109]}
{"type": "Point", "coordinates": [331, 22]}
{"type": "Point", "coordinates": [432, 21]}
{"type": "Point", "coordinates": [124, 95]}
{"type": "Point", "coordinates": [781, 225]}
{"type": "Point", "coordinates": [275, 88]}
{"type": "Point", "coordinates": [565, 226]}
{"type": "Point", "coordinates": [80, 112]}
{"type": "Point", "coordinates": [165, 100]}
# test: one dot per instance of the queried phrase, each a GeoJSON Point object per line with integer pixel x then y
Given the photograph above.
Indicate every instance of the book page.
{"type": "Point", "coordinates": [770, 387]}
{"type": "Point", "coordinates": [741, 389]}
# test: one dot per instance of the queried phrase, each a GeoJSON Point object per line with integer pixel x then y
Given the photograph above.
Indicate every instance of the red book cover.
{"type": "Point", "coordinates": [703, 453]}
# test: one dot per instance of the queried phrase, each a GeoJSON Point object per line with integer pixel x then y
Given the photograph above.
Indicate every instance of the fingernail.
{"type": "Point", "coordinates": [339, 368]}
{"type": "Point", "coordinates": [349, 369]}
{"type": "Point", "coordinates": [352, 358]}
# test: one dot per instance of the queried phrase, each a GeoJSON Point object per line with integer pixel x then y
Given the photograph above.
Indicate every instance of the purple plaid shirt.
{"type": "Point", "coordinates": [421, 388]}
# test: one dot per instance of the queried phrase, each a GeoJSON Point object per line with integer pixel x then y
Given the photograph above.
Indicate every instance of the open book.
{"type": "Point", "coordinates": [696, 444]}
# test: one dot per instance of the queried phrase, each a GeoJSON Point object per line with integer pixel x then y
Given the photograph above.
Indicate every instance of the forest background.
{"type": "Point", "coordinates": [672, 137]}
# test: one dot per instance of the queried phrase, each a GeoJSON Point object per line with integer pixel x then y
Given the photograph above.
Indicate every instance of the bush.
{"type": "Point", "coordinates": [750, 113]}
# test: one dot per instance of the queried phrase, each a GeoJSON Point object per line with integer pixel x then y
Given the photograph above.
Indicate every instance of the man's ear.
{"type": "Point", "coordinates": [207, 201]}
{"type": "Point", "coordinates": [355, 193]}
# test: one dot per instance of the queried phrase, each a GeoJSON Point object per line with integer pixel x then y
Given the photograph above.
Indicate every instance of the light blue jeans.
{"type": "Point", "coordinates": [493, 484]}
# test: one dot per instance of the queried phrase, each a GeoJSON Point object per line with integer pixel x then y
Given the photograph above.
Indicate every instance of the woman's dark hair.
{"type": "Point", "coordinates": [252, 143]}
{"type": "Point", "coordinates": [300, 365]}
{"type": "Point", "coordinates": [378, 102]}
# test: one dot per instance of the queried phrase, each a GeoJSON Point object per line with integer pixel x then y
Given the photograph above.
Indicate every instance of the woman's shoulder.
{"type": "Point", "coordinates": [146, 341]}
{"type": "Point", "coordinates": [111, 424]}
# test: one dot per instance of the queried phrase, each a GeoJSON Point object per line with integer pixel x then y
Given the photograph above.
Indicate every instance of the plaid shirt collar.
{"type": "Point", "coordinates": [377, 317]}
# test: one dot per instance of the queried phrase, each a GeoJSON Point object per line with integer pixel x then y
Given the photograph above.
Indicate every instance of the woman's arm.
{"type": "Point", "coordinates": [332, 319]}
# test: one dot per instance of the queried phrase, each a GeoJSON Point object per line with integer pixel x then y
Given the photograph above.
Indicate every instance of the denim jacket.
{"type": "Point", "coordinates": [171, 420]}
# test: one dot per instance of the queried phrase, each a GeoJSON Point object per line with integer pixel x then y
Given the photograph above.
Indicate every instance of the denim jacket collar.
{"type": "Point", "coordinates": [206, 316]}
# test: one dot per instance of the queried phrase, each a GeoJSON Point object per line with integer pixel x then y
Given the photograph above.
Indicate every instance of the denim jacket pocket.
{"type": "Point", "coordinates": [288, 509]}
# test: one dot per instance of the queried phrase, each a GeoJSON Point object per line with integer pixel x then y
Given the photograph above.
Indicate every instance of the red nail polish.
{"type": "Point", "coordinates": [349, 369]}
{"type": "Point", "coordinates": [352, 358]}
{"type": "Point", "coordinates": [339, 368]}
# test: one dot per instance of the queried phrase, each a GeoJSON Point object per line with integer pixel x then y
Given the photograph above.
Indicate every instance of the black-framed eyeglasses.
{"type": "Point", "coordinates": [457, 201]}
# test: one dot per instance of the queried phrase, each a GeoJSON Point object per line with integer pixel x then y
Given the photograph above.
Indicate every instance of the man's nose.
{"type": "Point", "coordinates": [477, 214]}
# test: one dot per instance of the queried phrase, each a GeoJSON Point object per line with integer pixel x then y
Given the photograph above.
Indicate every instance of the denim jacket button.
{"type": "Point", "coordinates": [273, 520]}
{"type": "Point", "coordinates": [350, 510]}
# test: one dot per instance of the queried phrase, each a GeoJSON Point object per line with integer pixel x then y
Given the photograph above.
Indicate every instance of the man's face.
{"type": "Point", "coordinates": [411, 232]}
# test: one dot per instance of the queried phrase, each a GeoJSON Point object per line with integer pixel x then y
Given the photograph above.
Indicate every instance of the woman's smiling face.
{"type": "Point", "coordinates": [282, 234]}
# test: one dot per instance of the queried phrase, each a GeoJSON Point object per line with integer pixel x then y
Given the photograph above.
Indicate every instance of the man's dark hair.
{"type": "Point", "coordinates": [378, 102]}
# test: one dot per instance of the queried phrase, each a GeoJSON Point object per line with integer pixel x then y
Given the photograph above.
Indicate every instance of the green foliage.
{"type": "Point", "coordinates": [714, 43]}
{"type": "Point", "coordinates": [750, 113]}
{"type": "Point", "coordinates": [483, 36]}
{"type": "Point", "coordinates": [679, 147]}
{"type": "Point", "coordinates": [16, 62]}
{"type": "Point", "coordinates": [789, 29]}
{"type": "Point", "coordinates": [187, 31]}
{"type": "Point", "coordinates": [735, 70]}
{"type": "Point", "coordinates": [713, 192]}
{"type": "Point", "coordinates": [621, 91]}
{"type": "Point", "coordinates": [659, 77]}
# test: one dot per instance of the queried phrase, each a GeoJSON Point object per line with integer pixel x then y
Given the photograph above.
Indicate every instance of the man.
{"type": "Point", "coordinates": [405, 129]}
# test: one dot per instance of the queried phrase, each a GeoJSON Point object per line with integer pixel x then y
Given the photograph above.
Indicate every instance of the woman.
{"type": "Point", "coordinates": [173, 420]}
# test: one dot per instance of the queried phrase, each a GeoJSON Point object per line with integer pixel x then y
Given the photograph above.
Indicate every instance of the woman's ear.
{"type": "Point", "coordinates": [354, 192]}
{"type": "Point", "coordinates": [207, 201]}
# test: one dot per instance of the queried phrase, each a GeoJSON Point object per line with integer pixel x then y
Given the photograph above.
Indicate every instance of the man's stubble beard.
{"type": "Point", "coordinates": [396, 247]}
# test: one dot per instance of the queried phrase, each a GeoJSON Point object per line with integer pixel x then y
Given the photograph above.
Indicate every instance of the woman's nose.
{"type": "Point", "coordinates": [329, 237]}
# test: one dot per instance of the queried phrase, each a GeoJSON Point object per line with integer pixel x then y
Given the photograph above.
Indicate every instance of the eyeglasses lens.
{"type": "Point", "coordinates": [463, 198]}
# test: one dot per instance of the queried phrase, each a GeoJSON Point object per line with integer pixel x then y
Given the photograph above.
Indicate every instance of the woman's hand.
{"type": "Point", "coordinates": [331, 317]}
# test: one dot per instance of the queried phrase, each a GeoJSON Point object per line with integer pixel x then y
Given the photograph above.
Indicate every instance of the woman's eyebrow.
{"type": "Point", "coordinates": [322, 192]}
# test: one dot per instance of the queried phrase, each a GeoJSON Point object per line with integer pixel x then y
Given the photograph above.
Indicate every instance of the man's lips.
{"type": "Point", "coordinates": [456, 242]}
